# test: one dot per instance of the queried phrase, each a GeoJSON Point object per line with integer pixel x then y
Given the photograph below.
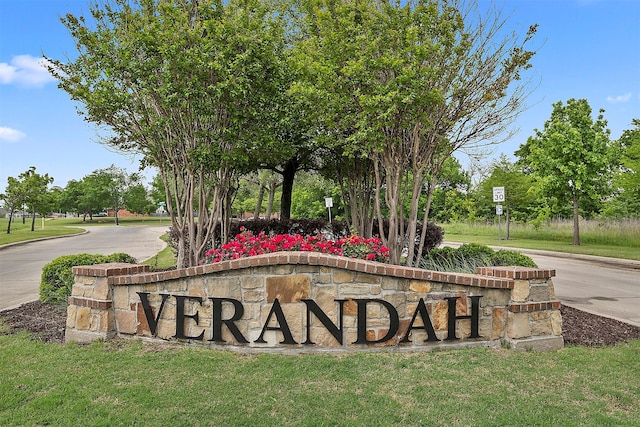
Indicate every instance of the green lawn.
{"type": "Point", "coordinates": [130, 383]}
{"type": "Point", "coordinates": [617, 239]}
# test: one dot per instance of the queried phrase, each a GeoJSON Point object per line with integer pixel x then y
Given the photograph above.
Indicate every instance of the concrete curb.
{"type": "Point", "coordinates": [25, 242]}
{"type": "Point", "coordinates": [616, 262]}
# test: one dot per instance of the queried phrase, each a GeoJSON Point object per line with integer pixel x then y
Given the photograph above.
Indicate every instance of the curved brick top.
{"type": "Point", "coordinates": [488, 277]}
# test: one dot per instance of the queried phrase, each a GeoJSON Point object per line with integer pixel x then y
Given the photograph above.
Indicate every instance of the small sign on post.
{"type": "Point", "coordinates": [498, 210]}
{"type": "Point", "coordinates": [328, 202]}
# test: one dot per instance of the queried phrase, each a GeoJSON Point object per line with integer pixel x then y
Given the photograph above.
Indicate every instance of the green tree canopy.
{"type": "Point", "coordinates": [572, 158]}
{"type": "Point", "coordinates": [13, 198]}
{"type": "Point", "coordinates": [188, 85]}
{"type": "Point", "coordinates": [406, 84]}
{"type": "Point", "coordinates": [627, 179]}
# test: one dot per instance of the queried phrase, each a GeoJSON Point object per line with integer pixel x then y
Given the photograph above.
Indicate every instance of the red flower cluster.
{"type": "Point", "coordinates": [247, 244]}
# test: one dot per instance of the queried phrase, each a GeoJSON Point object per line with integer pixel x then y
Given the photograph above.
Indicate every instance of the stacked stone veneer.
{"type": "Point", "coordinates": [517, 307]}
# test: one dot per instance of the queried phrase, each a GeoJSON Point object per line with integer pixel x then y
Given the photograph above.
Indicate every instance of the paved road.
{"type": "Point", "coordinates": [603, 286]}
{"type": "Point", "coordinates": [595, 284]}
{"type": "Point", "coordinates": [21, 265]}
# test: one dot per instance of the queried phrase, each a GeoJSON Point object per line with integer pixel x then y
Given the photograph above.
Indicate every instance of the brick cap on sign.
{"type": "Point", "coordinates": [109, 269]}
{"type": "Point", "coordinates": [487, 277]}
{"type": "Point", "coordinates": [516, 273]}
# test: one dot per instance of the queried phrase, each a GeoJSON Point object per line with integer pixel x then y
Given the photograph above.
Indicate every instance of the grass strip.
{"type": "Point", "coordinates": [130, 383]}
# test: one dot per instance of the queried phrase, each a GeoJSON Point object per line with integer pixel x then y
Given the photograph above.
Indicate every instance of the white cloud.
{"type": "Point", "coordinates": [25, 70]}
{"type": "Point", "coordinates": [11, 135]}
{"type": "Point", "coordinates": [620, 98]}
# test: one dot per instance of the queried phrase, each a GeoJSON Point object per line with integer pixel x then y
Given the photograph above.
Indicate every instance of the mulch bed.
{"type": "Point", "coordinates": [47, 322]}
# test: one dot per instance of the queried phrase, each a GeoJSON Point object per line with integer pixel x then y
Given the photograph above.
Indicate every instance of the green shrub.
{"type": "Point", "coordinates": [504, 257]}
{"type": "Point", "coordinates": [57, 278]}
{"type": "Point", "coordinates": [470, 256]}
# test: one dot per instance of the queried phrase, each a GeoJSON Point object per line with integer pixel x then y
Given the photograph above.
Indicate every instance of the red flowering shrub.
{"type": "Point", "coordinates": [247, 244]}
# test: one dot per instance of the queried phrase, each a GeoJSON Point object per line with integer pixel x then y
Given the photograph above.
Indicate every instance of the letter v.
{"type": "Point", "coordinates": [152, 321]}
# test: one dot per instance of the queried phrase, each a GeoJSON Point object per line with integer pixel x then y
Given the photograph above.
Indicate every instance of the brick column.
{"type": "Point", "coordinates": [533, 318]}
{"type": "Point", "coordinates": [90, 314]}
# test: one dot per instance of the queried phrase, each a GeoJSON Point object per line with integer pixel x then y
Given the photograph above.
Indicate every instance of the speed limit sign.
{"type": "Point", "coordinates": [498, 194]}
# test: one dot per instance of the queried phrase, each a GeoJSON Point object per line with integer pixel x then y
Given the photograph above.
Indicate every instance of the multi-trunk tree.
{"type": "Point", "coordinates": [186, 84]}
{"type": "Point", "coordinates": [406, 85]}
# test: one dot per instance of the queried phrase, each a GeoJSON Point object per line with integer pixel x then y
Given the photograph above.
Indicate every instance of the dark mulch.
{"type": "Point", "coordinates": [48, 321]}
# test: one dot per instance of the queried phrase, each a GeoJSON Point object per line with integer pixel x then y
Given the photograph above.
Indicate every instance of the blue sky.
{"type": "Point", "coordinates": [587, 49]}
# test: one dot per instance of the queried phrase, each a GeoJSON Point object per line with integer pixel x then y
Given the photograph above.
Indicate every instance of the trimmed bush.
{"type": "Point", "coordinates": [470, 256]}
{"type": "Point", "coordinates": [57, 278]}
{"type": "Point", "coordinates": [504, 257]}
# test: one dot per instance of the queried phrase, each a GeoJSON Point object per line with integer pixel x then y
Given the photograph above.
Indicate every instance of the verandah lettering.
{"type": "Point", "coordinates": [312, 307]}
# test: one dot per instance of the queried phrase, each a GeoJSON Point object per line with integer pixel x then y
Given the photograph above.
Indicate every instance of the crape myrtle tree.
{"type": "Point", "coordinates": [572, 157]}
{"type": "Point", "coordinates": [186, 84]}
{"type": "Point", "coordinates": [357, 184]}
{"type": "Point", "coordinates": [406, 84]}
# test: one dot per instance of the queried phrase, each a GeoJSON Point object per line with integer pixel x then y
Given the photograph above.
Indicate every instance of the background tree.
{"type": "Point", "coordinates": [626, 202]}
{"type": "Point", "coordinates": [572, 157]}
{"type": "Point", "coordinates": [76, 198]}
{"type": "Point", "coordinates": [451, 193]}
{"type": "Point", "coordinates": [12, 198]}
{"type": "Point", "coordinates": [55, 195]}
{"type": "Point", "coordinates": [520, 196]}
{"type": "Point", "coordinates": [136, 199]}
{"type": "Point", "coordinates": [186, 84]}
{"type": "Point", "coordinates": [36, 193]}
{"type": "Point", "coordinates": [309, 195]}
{"type": "Point", "coordinates": [157, 193]}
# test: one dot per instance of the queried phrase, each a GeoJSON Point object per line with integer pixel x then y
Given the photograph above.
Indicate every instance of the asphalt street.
{"type": "Point", "coordinates": [21, 264]}
{"type": "Point", "coordinates": [604, 286]}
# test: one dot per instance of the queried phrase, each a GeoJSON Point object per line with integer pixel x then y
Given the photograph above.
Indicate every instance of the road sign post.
{"type": "Point", "coordinates": [498, 197]}
{"type": "Point", "coordinates": [328, 202]}
{"type": "Point", "coordinates": [499, 213]}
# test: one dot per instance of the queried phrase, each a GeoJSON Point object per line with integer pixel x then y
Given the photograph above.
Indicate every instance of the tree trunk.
{"type": "Point", "coordinates": [425, 218]}
{"type": "Point", "coordinates": [256, 212]}
{"type": "Point", "coordinates": [272, 195]}
{"type": "Point", "coordinates": [412, 255]}
{"type": "Point", "coordinates": [9, 223]}
{"type": "Point", "coordinates": [288, 174]}
{"type": "Point", "coordinates": [576, 221]}
{"type": "Point", "coordinates": [33, 220]}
